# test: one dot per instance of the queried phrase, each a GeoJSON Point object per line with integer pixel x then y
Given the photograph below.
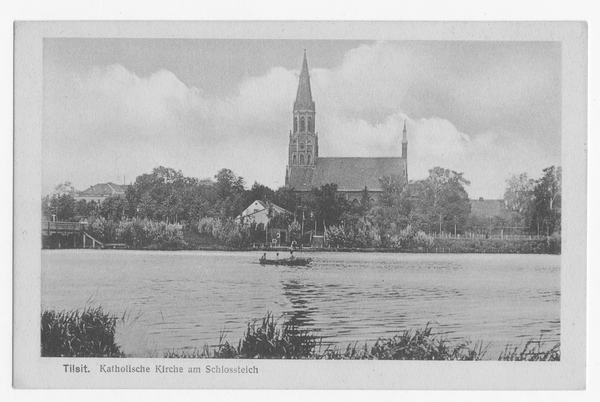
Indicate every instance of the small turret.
{"type": "Point", "coordinates": [404, 142]}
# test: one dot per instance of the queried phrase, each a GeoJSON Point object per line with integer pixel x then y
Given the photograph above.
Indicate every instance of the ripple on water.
{"type": "Point", "coordinates": [188, 299]}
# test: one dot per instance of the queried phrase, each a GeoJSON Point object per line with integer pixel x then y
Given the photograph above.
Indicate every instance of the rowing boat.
{"type": "Point", "coordinates": [293, 262]}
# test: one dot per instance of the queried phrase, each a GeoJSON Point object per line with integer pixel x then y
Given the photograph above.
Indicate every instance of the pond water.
{"type": "Point", "coordinates": [188, 299]}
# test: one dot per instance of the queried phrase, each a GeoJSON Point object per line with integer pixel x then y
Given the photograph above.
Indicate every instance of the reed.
{"type": "Point", "coordinates": [91, 333]}
{"type": "Point", "coordinates": [533, 351]}
{"type": "Point", "coordinates": [79, 333]}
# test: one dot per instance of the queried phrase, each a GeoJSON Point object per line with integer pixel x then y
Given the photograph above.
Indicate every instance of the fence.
{"type": "Point", "coordinates": [62, 227]}
{"type": "Point", "coordinates": [498, 236]}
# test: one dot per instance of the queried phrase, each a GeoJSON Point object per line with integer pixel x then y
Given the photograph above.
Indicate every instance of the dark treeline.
{"type": "Point", "coordinates": [404, 215]}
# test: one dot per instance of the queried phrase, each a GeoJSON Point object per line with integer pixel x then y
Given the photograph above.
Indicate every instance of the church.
{"type": "Point", "coordinates": [306, 169]}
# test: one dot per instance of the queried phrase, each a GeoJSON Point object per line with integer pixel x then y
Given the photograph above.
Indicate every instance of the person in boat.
{"type": "Point", "coordinates": [277, 256]}
{"type": "Point", "coordinates": [264, 257]}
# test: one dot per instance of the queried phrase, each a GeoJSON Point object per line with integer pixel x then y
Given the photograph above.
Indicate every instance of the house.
{"type": "Point", "coordinates": [258, 212]}
{"type": "Point", "coordinates": [487, 208]}
{"type": "Point", "coordinates": [100, 192]}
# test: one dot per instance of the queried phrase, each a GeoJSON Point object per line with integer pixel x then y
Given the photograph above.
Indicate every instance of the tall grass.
{"type": "Point", "coordinates": [91, 333]}
{"type": "Point", "coordinates": [532, 351]}
{"type": "Point", "coordinates": [79, 333]}
{"type": "Point", "coordinates": [423, 345]}
{"type": "Point", "coordinates": [266, 339]}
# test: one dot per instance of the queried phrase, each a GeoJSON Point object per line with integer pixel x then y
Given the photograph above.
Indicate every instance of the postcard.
{"type": "Point", "coordinates": [300, 205]}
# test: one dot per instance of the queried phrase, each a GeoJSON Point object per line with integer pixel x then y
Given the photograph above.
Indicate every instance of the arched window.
{"type": "Point", "coordinates": [295, 124]}
{"type": "Point", "coordinates": [301, 145]}
{"type": "Point", "coordinates": [308, 162]}
{"type": "Point", "coordinates": [309, 142]}
{"type": "Point", "coordinates": [301, 159]}
{"type": "Point", "coordinates": [311, 126]}
{"type": "Point", "coordinates": [293, 159]}
{"type": "Point", "coordinates": [302, 125]}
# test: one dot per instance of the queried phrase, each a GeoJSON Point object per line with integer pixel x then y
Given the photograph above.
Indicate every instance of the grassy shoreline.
{"type": "Point", "coordinates": [440, 246]}
{"type": "Point", "coordinates": [91, 333]}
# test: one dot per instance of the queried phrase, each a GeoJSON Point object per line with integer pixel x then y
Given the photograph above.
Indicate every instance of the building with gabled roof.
{"type": "Point", "coordinates": [487, 208]}
{"type": "Point", "coordinates": [258, 212]}
{"type": "Point", "coordinates": [306, 169]}
{"type": "Point", "coordinates": [101, 191]}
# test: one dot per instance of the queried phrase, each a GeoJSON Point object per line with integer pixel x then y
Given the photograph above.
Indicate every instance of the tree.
{"type": "Point", "coordinates": [441, 201]}
{"type": "Point", "coordinates": [65, 188]}
{"type": "Point", "coordinates": [146, 207]}
{"type": "Point", "coordinates": [366, 202]}
{"type": "Point", "coordinates": [518, 198]}
{"type": "Point", "coordinates": [61, 203]}
{"type": "Point", "coordinates": [230, 193]}
{"type": "Point", "coordinates": [83, 210]}
{"type": "Point", "coordinates": [62, 207]}
{"type": "Point", "coordinates": [547, 200]}
{"type": "Point", "coordinates": [113, 208]}
{"type": "Point", "coordinates": [327, 205]}
{"type": "Point", "coordinates": [287, 199]}
{"type": "Point", "coordinates": [228, 184]}
{"type": "Point", "coordinates": [258, 192]}
{"type": "Point", "coordinates": [390, 213]}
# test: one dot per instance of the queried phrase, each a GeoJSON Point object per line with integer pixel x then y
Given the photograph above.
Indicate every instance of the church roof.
{"type": "Point", "coordinates": [304, 96]}
{"type": "Point", "coordinates": [350, 174]}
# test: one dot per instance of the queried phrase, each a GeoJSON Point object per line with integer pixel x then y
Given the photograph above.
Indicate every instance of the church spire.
{"type": "Point", "coordinates": [404, 140]}
{"type": "Point", "coordinates": [304, 96]}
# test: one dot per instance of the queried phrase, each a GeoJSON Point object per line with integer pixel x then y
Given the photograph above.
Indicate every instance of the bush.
{"type": "Point", "coordinates": [228, 232]}
{"type": "Point", "coordinates": [554, 244]}
{"type": "Point", "coordinates": [86, 333]}
{"type": "Point", "coordinates": [550, 245]}
{"type": "Point", "coordinates": [409, 239]}
{"type": "Point", "coordinates": [355, 235]}
{"type": "Point", "coordinates": [104, 230]}
{"type": "Point", "coordinates": [138, 233]}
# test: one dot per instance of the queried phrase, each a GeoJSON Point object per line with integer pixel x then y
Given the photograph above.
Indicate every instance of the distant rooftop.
{"type": "Point", "coordinates": [487, 208]}
{"type": "Point", "coordinates": [103, 190]}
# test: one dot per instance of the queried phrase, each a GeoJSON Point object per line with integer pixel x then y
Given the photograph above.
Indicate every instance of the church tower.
{"type": "Point", "coordinates": [304, 142]}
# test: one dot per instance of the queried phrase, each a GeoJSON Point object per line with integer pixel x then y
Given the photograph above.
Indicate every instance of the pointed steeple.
{"type": "Point", "coordinates": [304, 96]}
{"type": "Point", "coordinates": [404, 140]}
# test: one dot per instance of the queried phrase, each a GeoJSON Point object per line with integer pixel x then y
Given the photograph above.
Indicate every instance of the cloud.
{"type": "Point", "coordinates": [106, 122]}
{"type": "Point", "coordinates": [126, 123]}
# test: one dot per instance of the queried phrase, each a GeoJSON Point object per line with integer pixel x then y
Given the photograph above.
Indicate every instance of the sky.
{"type": "Point", "coordinates": [117, 108]}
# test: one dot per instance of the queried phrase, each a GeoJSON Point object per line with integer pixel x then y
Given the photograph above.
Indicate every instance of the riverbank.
{"type": "Point", "coordinates": [550, 245]}
{"type": "Point", "coordinates": [161, 236]}
{"type": "Point", "coordinates": [90, 333]}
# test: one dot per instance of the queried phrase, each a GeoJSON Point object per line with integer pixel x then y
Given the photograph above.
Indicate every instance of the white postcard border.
{"type": "Point", "coordinates": [32, 371]}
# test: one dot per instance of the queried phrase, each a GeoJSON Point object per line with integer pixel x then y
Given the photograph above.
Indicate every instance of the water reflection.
{"type": "Point", "coordinates": [301, 315]}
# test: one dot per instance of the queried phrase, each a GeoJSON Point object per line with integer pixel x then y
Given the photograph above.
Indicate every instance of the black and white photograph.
{"type": "Point", "coordinates": [219, 208]}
